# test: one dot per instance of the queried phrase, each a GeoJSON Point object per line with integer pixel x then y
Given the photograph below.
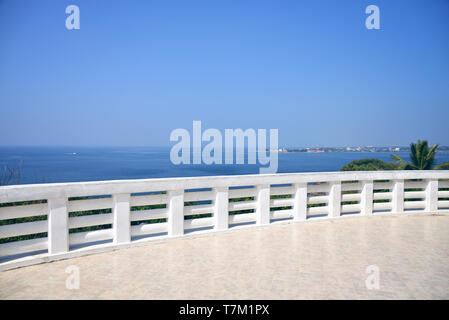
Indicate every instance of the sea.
{"type": "Point", "coordinates": [73, 164]}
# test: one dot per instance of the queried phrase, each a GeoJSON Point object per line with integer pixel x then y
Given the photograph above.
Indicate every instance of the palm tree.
{"type": "Point", "coordinates": [422, 157]}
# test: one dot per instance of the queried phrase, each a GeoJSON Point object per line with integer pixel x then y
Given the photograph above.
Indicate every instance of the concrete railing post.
{"type": "Point", "coordinates": [175, 212]}
{"type": "Point", "coordinates": [366, 198]}
{"type": "Point", "coordinates": [263, 204]}
{"type": "Point", "coordinates": [335, 199]}
{"type": "Point", "coordinates": [221, 213]}
{"type": "Point", "coordinates": [121, 223]}
{"type": "Point", "coordinates": [398, 196]}
{"type": "Point", "coordinates": [432, 196]}
{"type": "Point", "coordinates": [300, 202]}
{"type": "Point", "coordinates": [58, 232]}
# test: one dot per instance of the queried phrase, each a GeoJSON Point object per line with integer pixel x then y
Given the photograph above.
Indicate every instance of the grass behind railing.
{"type": "Point", "coordinates": [23, 220]}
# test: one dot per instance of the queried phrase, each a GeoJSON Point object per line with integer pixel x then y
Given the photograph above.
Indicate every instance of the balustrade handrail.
{"type": "Point", "coordinates": [28, 192]}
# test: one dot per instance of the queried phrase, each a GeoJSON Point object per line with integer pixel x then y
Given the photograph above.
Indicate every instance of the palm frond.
{"type": "Point", "coordinates": [396, 158]}
{"type": "Point", "coordinates": [404, 164]}
{"type": "Point", "coordinates": [430, 159]}
{"type": "Point", "coordinates": [443, 166]}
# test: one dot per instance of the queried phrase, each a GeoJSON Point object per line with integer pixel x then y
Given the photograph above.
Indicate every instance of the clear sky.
{"type": "Point", "coordinates": [136, 70]}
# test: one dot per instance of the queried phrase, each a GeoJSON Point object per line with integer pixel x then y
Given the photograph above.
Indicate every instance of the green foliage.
{"type": "Point", "coordinates": [148, 207]}
{"type": "Point", "coordinates": [369, 165]}
{"type": "Point", "coordinates": [443, 166]}
{"type": "Point", "coordinates": [231, 213]}
{"type": "Point", "coordinates": [422, 157]}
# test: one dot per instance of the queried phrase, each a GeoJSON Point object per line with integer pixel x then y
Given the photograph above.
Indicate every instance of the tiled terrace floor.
{"type": "Point", "coordinates": [322, 259]}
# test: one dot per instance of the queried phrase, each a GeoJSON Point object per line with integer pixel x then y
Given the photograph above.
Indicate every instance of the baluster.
{"type": "Point", "coordinates": [58, 232]}
{"type": "Point", "coordinates": [121, 212]}
{"type": "Point", "coordinates": [263, 204]}
{"type": "Point", "coordinates": [175, 212]}
{"type": "Point", "coordinates": [398, 196]}
{"type": "Point", "coordinates": [335, 199]}
{"type": "Point", "coordinates": [432, 196]}
{"type": "Point", "coordinates": [300, 202]}
{"type": "Point", "coordinates": [366, 198]}
{"type": "Point", "coordinates": [221, 213]}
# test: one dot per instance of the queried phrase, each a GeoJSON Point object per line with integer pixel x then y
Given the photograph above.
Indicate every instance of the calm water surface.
{"type": "Point", "coordinates": [68, 164]}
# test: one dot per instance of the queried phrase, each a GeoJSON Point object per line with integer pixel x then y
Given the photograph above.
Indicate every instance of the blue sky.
{"type": "Point", "coordinates": [136, 70]}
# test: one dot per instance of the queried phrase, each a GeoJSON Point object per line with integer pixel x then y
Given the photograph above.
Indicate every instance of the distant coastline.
{"type": "Point", "coordinates": [441, 149]}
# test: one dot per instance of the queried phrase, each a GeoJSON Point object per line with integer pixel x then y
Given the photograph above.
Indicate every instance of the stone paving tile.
{"type": "Point", "coordinates": [317, 260]}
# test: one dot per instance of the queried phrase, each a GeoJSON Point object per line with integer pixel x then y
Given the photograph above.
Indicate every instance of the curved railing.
{"type": "Point", "coordinates": [44, 222]}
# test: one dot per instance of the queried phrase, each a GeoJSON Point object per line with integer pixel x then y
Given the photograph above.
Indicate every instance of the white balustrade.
{"type": "Point", "coordinates": [38, 219]}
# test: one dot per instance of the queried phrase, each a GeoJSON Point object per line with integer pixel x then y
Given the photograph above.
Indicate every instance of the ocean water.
{"type": "Point", "coordinates": [70, 164]}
